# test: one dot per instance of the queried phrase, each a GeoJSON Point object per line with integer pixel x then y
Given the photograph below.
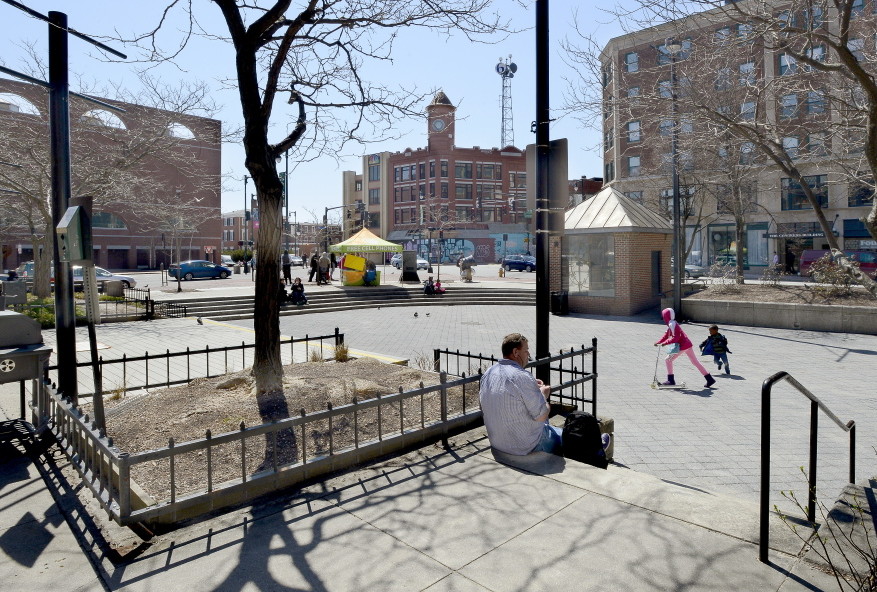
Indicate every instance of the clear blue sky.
{"type": "Point", "coordinates": [465, 71]}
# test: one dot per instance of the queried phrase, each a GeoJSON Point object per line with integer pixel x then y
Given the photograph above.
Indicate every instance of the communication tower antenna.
{"type": "Point", "coordinates": [506, 70]}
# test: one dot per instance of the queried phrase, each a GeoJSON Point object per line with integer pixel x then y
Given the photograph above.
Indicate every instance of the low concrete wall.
{"type": "Point", "coordinates": [810, 317]}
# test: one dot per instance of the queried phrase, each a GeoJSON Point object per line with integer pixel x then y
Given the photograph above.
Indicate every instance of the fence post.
{"type": "Point", "coordinates": [763, 515]}
{"type": "Point", "coordinates": [21, 397]}
{"type": "Point", "coordinates": [124, 485]}
{"type": "Point", "coordinates": [436, 360]}
{"type": "Point", "coordinates": [594, 380]}
{"type": "Point", "coordinates": [852, 426]}
{"type": "Point", "coordinates": [339, 338]}
{"type": "Point", "coordinates": [443, 379]}
{"type": "Point", "coordinates": [811, 494]}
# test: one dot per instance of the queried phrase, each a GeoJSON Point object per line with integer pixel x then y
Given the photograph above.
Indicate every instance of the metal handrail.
{"type": "Point", "coordinates": [815, 406]}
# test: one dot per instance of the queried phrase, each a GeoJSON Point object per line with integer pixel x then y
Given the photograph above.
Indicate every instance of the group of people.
{"type": "Point", "coordinates": [432, 288]}
{"type": "Point", "coordinates": [322, 267]}
{"type": "Point", "coordinates": [678, 343]}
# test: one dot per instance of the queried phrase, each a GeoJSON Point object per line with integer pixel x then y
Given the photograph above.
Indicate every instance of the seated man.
{"type": "Point", "coordinates": [369, 278]}
{"type": "Point", "coordinates": [297, 293]}
{"type": "Point", "coordinates": [429, 287]}
{"type": "Point", "coordinates": [515, 405]}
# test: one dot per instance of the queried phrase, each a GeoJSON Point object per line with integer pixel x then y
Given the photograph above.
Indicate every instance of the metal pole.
{"type": "Point", "coordinates": [326, 230]}
{"type": "Point", "coordinates": [295, 230]}
{"type": "Point", "coordinates": [59, 108]}
{"type": "Point", "coordinates": [286, 201]}
{"type": "Point", "coordinates": [244, 233]}
{"type": "Point", "coordinates": [542, 146]}
{"type": "Point", "coordinates": [674, 151]}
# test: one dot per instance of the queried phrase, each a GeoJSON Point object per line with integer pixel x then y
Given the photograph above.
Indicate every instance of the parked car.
{"type": "Point", "coordinates": [26, 271]}
{"type": "Point", "coordinates": [226, 260]}
{"type": "Point", "coordinates": [867, 260]}
{"type": "Point", "coordinates": [295, 260]}
{"type": "Point", "coordinates": [396, 261]}
{"type": "Point", "coordinates": [695, 271]}
{"type": "Point", "coordinates": [518, 263]}
{"type": "Point", "coordinates": [198, 269]}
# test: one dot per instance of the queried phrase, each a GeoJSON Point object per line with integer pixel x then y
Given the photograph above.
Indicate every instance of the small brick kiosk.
{"type": "Point", "coordinates": [615, 256]}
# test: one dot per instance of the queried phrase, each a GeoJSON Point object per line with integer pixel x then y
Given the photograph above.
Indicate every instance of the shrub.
{"type": "Point", "coordinates": [342, 353]}
{"type": "Point", "coordinates": [831, 279]}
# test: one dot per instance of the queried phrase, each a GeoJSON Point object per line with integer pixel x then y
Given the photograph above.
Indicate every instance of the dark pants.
{"type": "Point", "coordinates": [311, 275]}
{"type": "Point", "coordinates": [287, 274]}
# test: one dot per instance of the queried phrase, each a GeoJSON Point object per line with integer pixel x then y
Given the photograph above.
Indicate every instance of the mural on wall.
{"type": "Point", "coordinates": [450, 250]}
{"type": "Point", "coordinates": [510, 244]}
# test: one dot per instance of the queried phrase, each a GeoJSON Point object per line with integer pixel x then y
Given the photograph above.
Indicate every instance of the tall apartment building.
{"type": "Point", "coordinates": [147, 211]}
{"type": "Point", "coordinates": [454, 201]}
{"type": "Point", "coordinates": [715, 67]}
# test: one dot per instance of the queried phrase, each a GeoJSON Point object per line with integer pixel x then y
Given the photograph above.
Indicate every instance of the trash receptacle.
{"type": "Point", "coordinates": [237, 269]}
{"type": "Point", "coordinates": [560, 302]}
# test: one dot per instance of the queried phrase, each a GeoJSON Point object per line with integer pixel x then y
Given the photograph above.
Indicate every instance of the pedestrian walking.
{"type": "Point", "coordinates": [315, 262]}
{"type": "Point", "coordinates": [286, 264]}
{"type": "Point", "coordinates": [675, 336]}
{"type": "Point", "coordinates": [717, 346]}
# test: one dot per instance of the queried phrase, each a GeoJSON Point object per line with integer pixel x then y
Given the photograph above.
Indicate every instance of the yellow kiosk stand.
{"type": "Point", "coordinates": [353, 272]}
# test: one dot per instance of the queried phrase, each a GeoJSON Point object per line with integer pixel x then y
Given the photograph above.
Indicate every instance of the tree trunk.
{"type": "Point", "coordinates": [43, 272]}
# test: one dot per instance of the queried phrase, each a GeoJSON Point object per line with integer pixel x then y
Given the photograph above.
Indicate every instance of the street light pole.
{"type": "Point", "coordinates": [673, 48]}
{"type": "Point", "coordinates": [294, 229]}
{"type": "Point", "coordinates": [244, 234]}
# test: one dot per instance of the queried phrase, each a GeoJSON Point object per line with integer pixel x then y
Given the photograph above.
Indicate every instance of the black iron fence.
{"type": "Point", "coordinates": [169, 368]}
{"type": "Point", "coordinates": [570, 371]}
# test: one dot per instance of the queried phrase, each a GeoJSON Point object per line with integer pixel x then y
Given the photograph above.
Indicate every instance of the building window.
{"type": "Point", "coordinates": [422, 170]}
{"type": "Point", "coordinates": [816, 144]}
{"type": "Point", "coordinates": [631, 62]}
{"type": "Point", "coordinates": [747, 73]}
{"type": "Point", "coordinates": [609, 139]}
{"type": "Point", "coordinates": [432, 169]}
{"type": "Point", "coordinates": [636, 196]}
{"type": "Point", "coordinates": [788, 65]}
{"type": "Point", "coordinates": [686, 200]}
{"type": "Point", "coordinates": [463, 191]}
{"type": "Point", "coordinates": [405, 174]}
{"type": "Point", "coordinates": [445, 191]}
{"type": "Point", "coordinates": [793, 197]}
{"type": "Point", "coordinates": [633, 92]}
{"type": "Point", "coordinates": [747, 110]}
{"type": "Point", "coordinates": [358, 185]}
{"type": "Point", "coordinates": [857, 7]}
{"type": "Point", "coordinates": [747, 153]}
{"type": "Point", "coordinates": [444, 168]}
{"type": "Point", "coordinates": [815, 102]}
{"type": "Point", "coordinates": [107, 220]}
{"type": "Point", "coordinates": [634, 133]}
{"type": "Point", "coordinates": [857, 47]}
{"type": "Point", "coordinates": [463, 170]}
{"type": "Point", "coordinates": [723, 35]}
{"type": "Point", "coordinates": [744, 30]}
{"type": "Point", "coordinates": [786, 19]}
{"type": "Point", "coordinates": [861, 193]}
{"type": "Point", "coordinates": [374, 196]}
{"type": "Point", "coordinates": [633, 166]}
{"type": "Point", "coordinates": [432, 189]}
{"type": "Point", "coordinates": [589, 264]}
{"type": "Point", "coordinates": [723, 79]}
{"type": "Point", "coordinates": [814, 16]}
{"type": "Point", "coordinates": [607, 74]}
{"type": "Point", "coordinates": [609, 171]}
{"type": "Point", "coordinates": [608, 107]}
{"type": "Point", "coordinates": [665, 127]}
{"type": "Point", "coordinates": [464, 214]}
{"type": "Point", "coordinates": [788, 106]}
{"type": "Point", "coordinates": [686, 126]}
{"type": "Point", "coordinates": [790, 147]}
{"type": "Point", "coordinates": [374, 172]}
{"type": "Point", "coordinates": [489, 171]}
{"type": "Point", "coordinates": [665, 89]}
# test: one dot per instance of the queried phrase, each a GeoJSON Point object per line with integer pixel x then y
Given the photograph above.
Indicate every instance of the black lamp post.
{"type": "Point", "coordinates": [244, 226]}
{"type": "Point", "coordinates": [673, 48]}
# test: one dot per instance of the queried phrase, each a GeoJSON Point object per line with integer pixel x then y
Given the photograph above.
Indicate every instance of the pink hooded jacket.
{"type": "Point", "coordinates": [674, 333]}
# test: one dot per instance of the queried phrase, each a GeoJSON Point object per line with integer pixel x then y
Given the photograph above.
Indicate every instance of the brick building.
{"type": "Point", "coordinates": [148, 210]}
{"type": "Point", "coordinates": [443, 200]}
{"type": "Point", "coordinates": [721, 56]}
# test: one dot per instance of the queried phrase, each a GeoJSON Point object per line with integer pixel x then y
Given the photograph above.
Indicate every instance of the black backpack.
{"type": "Point", "coordinates": [582, 440]}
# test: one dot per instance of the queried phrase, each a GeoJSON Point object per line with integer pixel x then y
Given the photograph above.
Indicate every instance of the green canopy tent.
{"type": "Point", "coordinates": [363, 242]}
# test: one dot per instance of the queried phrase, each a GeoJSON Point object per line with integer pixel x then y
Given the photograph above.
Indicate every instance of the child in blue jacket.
{"type": "Point", "coordinates": [717, 346]}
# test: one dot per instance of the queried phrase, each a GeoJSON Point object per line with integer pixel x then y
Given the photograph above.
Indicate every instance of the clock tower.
{"type": "Point", "coordinates": [440, 122]}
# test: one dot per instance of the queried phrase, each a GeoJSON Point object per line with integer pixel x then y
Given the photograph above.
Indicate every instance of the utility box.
{"type": "Point", "coordinates": [74, 236]}
{"type": "Point", "coordinates": [12, 293]}
{"type": "Point", "coordinates": [22, 353]}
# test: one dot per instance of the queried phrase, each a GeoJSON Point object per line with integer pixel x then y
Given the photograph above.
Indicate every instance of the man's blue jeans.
{"type": "Point", "coordinates": [551, 440]}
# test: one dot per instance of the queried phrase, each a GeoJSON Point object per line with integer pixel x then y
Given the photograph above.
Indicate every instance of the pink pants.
{"type": "Point", "coordinates": [691, 356]}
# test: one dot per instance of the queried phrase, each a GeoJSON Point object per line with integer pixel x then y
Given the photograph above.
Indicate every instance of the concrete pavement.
{"type": "Point", "coordinates": [683, 518]}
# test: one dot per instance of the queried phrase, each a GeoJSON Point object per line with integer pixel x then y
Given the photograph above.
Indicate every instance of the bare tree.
{"type": "Point", "coordinates": [312, 56]}
{"type": "Point", "coordinates": [819, 58]}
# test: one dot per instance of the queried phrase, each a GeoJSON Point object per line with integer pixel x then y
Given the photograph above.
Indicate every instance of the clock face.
{"type": "Point", "coordinates": [438, 124]}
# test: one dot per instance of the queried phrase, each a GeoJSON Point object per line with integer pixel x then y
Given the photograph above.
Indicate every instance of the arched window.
{"type": "Point", "coordinates": [107, 220]}
{"type": "Point", "coordinates": [178, 130]}
{"type": "Point", "coordinates": [15, 104]}
{"type": "Point", "coordinates": [101, 118]}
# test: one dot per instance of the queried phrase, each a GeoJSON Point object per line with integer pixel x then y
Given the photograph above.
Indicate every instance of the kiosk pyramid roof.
{"type": "Point", "coordinates": [610, 211]}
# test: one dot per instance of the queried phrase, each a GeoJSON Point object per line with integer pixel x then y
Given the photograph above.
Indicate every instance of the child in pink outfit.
{"type": "Point", "coordinates": [675, 334]}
